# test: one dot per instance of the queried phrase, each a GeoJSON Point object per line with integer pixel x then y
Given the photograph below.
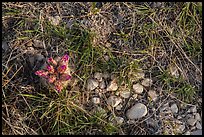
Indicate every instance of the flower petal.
{"type": "Point", "coordinates": [58, 86]}
{"type": "Point", "coordinates": [52, 61]}
{"type": "Point", "coordinates": [65, 58]}
{"type": "Point", "coordinates": [51, 79]}
{"type": "Point", "coordinates": [50, 68]}
{"type": "Point", "coordinates": [62, 69]}
{"type": "Point", "coordinates": [41, 73]}
{"type": "Point", "coordinates": [65, 77]}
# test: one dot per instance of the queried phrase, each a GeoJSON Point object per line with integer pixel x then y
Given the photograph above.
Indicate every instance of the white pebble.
{"type": "Point", "coordinates": [138, 88]}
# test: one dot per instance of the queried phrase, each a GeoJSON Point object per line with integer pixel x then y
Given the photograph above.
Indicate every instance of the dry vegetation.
{"type": "Point", "coordinates": [162, 39]}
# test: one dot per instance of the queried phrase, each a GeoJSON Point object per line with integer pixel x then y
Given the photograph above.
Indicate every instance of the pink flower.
{"type": "Point", "coordinates": [50, 68]}
{"type": "Point", "coordinates": [51, 79]}
{"type": "Point", "coordinates": [52, 61]}
{"type": "Point", "coordinates": [42, 73]}
{"type": "Point", "coordinates": [65, 77]}
{"type": "Point", "coordinates": [62, 69]}
{"type": "Point", "coordinates": [65, 58]}
{"type": "Point", "coordinates": [58, 86]}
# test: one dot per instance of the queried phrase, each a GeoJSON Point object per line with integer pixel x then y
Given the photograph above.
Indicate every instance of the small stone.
{"type": "Point", "coordinates": [152, 94]}
{"type": "Point", "coordinates": [98, 76]}
{"type": "Point", "coordinates": [38, 44]}
{"type": "Point", "coordinates": [92, 84]}
{"type": "Point", "coordinates": [112, 86]}
{"type": "Point", "coordinates": [197, 132]}
{"type": "Point", "coordinates": [140, 75]}
{"type": "Point", "coordinates": [125, 94]}
{"type": "Point", "coordinates": [113, 77]}
{"type": "Point", "coordinates": [106, 75]}
{"type": "Point", "coordinates": [106, 57]}
{"type": "Point", "coordinates": [191, 121]}
{"type": "Point", "coordinates": [147, 82]}
{"type": "Point", "coordinates": [182, 128]}
{"type": "Point", "coordinates": [114, 101]}
{"type": "Point", "coordinates": [118, 107]}
{"type": "Point", "coordinates": [119, 120]}
{"type": "Point", "coordinates": [96, 100]}
{"type": "Point", "coordinates": [102, 85]}
{"type": "Point", "coordinates": [174, 70]}
{"type": "Point", "coordinates": [138, 88]}
{"type": "Point", "coordinates": [193, 109]}
{"type": "Point", "coordinates": [137, 111]}
{"type": "Point", "coordinates": [174, 108]}
{"type": "Point", "coordinates": [187, 133]}
{"type": "Point", "coordinates": [31, 61]}
{"type": "Point", "coordinates": [55, 20]}
{"type": "Point", "coordinates": [135, 96]}
{"type": "Point", "coordinates": [197, 117]}
{"type": "Point", "coordinates": [198, 125]}
{"type": "Point", "coordinates": [179, 117]}
{"type": "Point", "coordinates": [5, 45]}
{"type": "Point", "coordinates": [39, 57]}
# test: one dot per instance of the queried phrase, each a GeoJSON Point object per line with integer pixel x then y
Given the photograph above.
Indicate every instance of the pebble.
{"type": "Point", "coordinates": [179, 117]}
{"type": "Point", "coordinates": [39, 57]}
{"type": "Point", "coordinates": [182, 128]}
{"type": "Point", "coordinates": [174, 108]}
{"type": "Point", "coordinates": [125, 94]}
{"type": "Point", "coordinates": [38, 44]}
{"type": "Point", "coordinates": [193, 109]}
{"type": "Point", "coordinates": [114, 101]}
{"type": "Point", "coordinates": [147, 82]}
{"type": "Point", "coordinates": [92, 84]}
{"type": "Point", "coordinates": [98, 76]}
{"type": "Point", "coordinates": [135, 96]}
{"type": "Point", "coordinates": [118, 107]}
{"type": "Point", "coordinates": [197, 132]}
{"type": "Point", "coordinates": [174, 71]}
{"type": "Point", "coordinates": [198, 125]}
{"type": "Point", "coordinates": [106, 57]}
{"type": "Point", "coordinates": [140, 75]}
{"type": "Point", "coordinates": [102, 85]}
{"type": "Point", "coordinates": [5, 45]}
{"type": "Point", "coordinates": [187, 133]}
{"type": "Point", "coordinates": [152, 94]}
{"type": "Point", "coordinates": [106, 75]}
{"type": "Point", "coordinates": [138, 88]}
{"type": "Point", "coordinates": [96, 100]}
{"type": "Point", "coordinates": [137, 111]}
{"type": "Point", "coordinates": [112, 86]}
{"type": "Point", "coordinates": [55, 20]}
{"type": "Point", "coordinates": [191, 121]}
{"type": "Point", "coordinates": [119, 120]}
{"type": "Point", "coordinates": [197, 117]}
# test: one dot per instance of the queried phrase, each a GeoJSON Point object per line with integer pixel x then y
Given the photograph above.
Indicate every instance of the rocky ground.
{"type": "Point", "coordinates": [121, 74]}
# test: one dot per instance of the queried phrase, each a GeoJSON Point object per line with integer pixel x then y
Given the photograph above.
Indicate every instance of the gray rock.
{"type": "Point", "coordinates": [198, 125]}
{"type": "Point", "coordinates": [39, 57]}
{"type": "Point", "coordinates": [191, 121]}
{"type": "Point", "coordinates": [55, 20]}
{"type": "Point", "coordinates": [182, 128]}
{"type": "Point", "coordinates": [137, 111]}
{"type": "Point", "coordinates": [197, 132]}
{"type": "Point", "coordinates": [119, 120]}
{"type": "Point", "coordinates": [38, 44]}
{"type": "Point", "coordinates": [106, 75]}
{"type": "Point", "coordinates": [174, 108]}
{"type": "Point", "coordinates": [114, 101]}
{"type": "Point", "coordinates": [125, 94]}
{"type": "Point", "coordinates": [98, 76]}
{"type": "Point", "coordinates": [113, 86]}
{"type": "Point", "coordinates": [179, 117]}
{"type": "Point", "coordinates": [118, 107]}
{"type": "Point", "coordinates": [193, 109]}
{"type": "Point", "coordinates": [138, 88]}
{"type": "Point", "coordinates": [197, 117]}
{"type": "Point", "coordinates": [152, 94]}
{"type": "Point", "coordinates": [147, 82]}
{"type": "Point", "coordinates": [5, 45]}
{"type": "Point", "coordinates": [106, 57]}
{"type": "Point", "coordinates": [96, 100]}
{"type": "Point", "coordinates": [92, 84]}
{"type": "Point", "coordinates": [102, 85]}
{"type": "Point", "coordinates": [187, 133]}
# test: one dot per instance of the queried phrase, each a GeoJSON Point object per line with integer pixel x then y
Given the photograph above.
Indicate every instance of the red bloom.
{"type": "Point", "coordinates": [50, 68]}
{"type": "Point", "coordinates": [51, 79]}
{"type": "Point", "coordinates": [65, 58]}
{"type": "Point", "coordinates": [65, 77]}
{"type": "Point", "coordinates": [42, 73]}
{"type": "Point", "coordinates": [58, 86]}
{"type": "Point", "coordinates": [52, 61]}
{"type": "Point", "coordinates": [62, 69]}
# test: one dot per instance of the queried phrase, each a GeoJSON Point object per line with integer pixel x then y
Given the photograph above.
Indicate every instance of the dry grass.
{"type": "Point", "coordinates": [150, 36]}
